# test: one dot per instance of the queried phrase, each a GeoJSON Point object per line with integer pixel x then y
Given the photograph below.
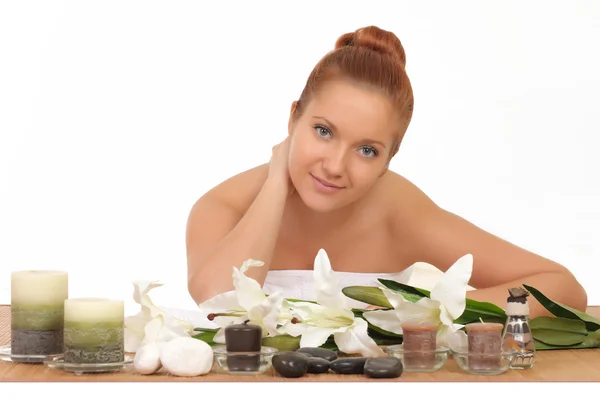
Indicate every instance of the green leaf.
{"type": "Point", "coordinates": [473, 316]}
{"type": "Point", "coordinates": [206, 337]}
{"type": "Point", "coordinates": [557, 338]}
{"type": "Point", "coordinates": [558, 324]}
{"type": "Point", "coordinates": [583, 345]}
{"type": "Point", "coordinates": [561, 310]}
{"type": "Point", "coordinates": [401, 287]}
{"type": "Point", "coordinates": [485, 308]}
{"type": "Point", "coordinates": [282, 342]}
{"type": "Point", "coordinates": [301, 301]}
{"type": "Point", "coordinates": [206, 330]}
{"type": "Point", "coordinates": [367, 294]}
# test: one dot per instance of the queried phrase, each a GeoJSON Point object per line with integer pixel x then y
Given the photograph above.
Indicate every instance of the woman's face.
{"type": "Point", "coordinates": [341, 144]}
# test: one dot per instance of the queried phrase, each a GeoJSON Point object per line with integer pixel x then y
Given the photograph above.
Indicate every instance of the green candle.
{"type": "Point", "coordinates": [37, 309]}
{"type": "Point", "coordinates": [93, 331]}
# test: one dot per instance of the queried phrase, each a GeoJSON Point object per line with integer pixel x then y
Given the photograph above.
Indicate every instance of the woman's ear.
{"type": "Point", "coordinates": [292, 117]}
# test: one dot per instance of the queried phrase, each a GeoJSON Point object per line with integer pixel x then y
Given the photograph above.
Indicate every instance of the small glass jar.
{"type": "Point", "coordinates": [517, 334]}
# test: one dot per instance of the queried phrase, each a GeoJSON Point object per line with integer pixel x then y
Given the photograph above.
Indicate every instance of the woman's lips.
{"type": "Point", "coordinates": [324, 186]}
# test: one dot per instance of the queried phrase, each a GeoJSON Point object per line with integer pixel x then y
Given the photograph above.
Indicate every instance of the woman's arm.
{"type": "Point", "coordinates": [440, 238]}
{"type": "Point", "coordinates": [220, 237]}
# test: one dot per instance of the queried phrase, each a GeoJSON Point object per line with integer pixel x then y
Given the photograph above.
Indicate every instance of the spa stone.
{"type": "Point", "coordinates": [290, 364]}
{"type": "Point", "coordinates": [327, 354]}
{"type": "Point", "coordinates": [383, 367]}
{"type": "Point", "coordinates": [348, 365]}
{"type": "Point", "coordinates": [318, 365]}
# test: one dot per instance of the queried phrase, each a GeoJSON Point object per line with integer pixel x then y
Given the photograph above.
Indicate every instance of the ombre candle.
{"type": "Point", "coordinates": [37, 311]}
{"type": "Point", "coordinates": [94, 331]}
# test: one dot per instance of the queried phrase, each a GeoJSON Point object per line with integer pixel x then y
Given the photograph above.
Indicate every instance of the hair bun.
{"type": "Point", "coordinates": [376, 39]}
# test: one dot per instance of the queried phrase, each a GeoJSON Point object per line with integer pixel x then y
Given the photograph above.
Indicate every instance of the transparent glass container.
{"type": "Point", "coordinates": [517, 336]}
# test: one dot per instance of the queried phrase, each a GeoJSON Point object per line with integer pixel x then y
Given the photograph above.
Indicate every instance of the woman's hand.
{"type": "Point", "coordinates": [279, 173]}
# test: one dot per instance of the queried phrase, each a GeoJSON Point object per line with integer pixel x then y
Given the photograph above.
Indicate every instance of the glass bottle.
{"type": "Point", "coordinates": [517, 334]}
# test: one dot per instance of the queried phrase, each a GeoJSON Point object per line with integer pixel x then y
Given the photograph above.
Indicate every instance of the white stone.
{"type": "Point", "coordinates": [186, 356]}
{"type": "Point", "coordinates": [147, 359]}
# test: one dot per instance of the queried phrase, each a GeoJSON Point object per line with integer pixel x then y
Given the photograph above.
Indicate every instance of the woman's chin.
{"type": "Point", "coordinates": [319, 203]}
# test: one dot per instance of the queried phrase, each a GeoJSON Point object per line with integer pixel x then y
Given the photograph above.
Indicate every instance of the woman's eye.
{"type": "Point", "coordinates": [368, 151]}
{"type": "Point", "coordinates": [322, 131]}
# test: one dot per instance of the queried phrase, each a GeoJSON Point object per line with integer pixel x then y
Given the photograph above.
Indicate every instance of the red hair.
{"type": "Point", "coordinates": [370, 56]}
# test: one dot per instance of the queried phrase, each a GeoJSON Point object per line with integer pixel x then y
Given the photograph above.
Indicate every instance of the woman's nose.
{"type": "Point", "coordinates": [334, 163]}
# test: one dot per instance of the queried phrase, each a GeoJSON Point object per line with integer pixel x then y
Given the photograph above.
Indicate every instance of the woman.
{"type": "Point", "coordinates": [328, 186]}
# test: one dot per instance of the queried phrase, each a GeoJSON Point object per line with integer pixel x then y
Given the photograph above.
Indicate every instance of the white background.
{"type": "Point", "coordinates": [115, 116]}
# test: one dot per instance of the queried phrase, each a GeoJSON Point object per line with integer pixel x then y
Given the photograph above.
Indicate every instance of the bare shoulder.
{"type": "Point", "coordinates": [403, 205]}
{"type": "Point", "coordinates": [404, 200]}
{"type": "Point", "coordinates": [440, 237]}
{"type": "Point", "coordinates": [239, 191]}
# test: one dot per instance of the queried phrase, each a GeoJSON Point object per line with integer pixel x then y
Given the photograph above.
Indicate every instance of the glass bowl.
{"type": "Point", "coordinates": [419, 361]}
{"type": "Point", "coordinates": [7, 355]}
{"type": "Point", "coordinates": [483, 363]}
{"type": "Point", "coordinates": [243, 363]}
{"type": "Point", "coordinates": [58, 362]}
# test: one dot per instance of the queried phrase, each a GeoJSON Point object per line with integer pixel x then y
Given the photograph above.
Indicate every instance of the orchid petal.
{"type": "Point", "coordinates": [249, 264]}
{"type": "Point", "coordinates": [315, 336]}
{"type": "Point", "coordinates": [326, 282]}
{"type": "Point", "coordinates": [140, 295]}
{"type": "Point", "coordinates": [292, 329]}
{"type": "Point", "coordinates": [220, 303]}
{"type": "Point", "coordinates": [356, 340]}
{"type": "Point", "coordinates": [132, 340]}
{"type": "Point", "coordinates": [451, 289]}
{"type": "Point", "coordinates": [421, 275]}
{"type": "Point", "coordinates": [268, 313]}
{"type": "Point", "coordinates": [152, 329]}
{"type": "Point", "coordinates": [134, 331]}
{"type": "Point", "coordinates": [385, 319]}
{"type": "Point", "coordinates": [171, 330]}
{"type": "Point", "coordinates": [219, 336]}
{"type": "Point", "coordinates": [249, 292]}
{"type": "Point", "coordinates": [225, 320]}
{"type": "Point", "coordinates": [305, 309]}
{"type": "Point", "coordinates": [423, 310]}
{"type": "Point", "coordinates": [394, 298]}
{"type": "Point", "coordinates": [454, 339]}
{"type": "Point", "coordinates": [445, 316]}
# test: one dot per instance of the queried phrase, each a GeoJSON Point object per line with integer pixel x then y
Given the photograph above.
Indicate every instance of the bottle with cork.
{"type": "Point", "coordinates": [517, 331]}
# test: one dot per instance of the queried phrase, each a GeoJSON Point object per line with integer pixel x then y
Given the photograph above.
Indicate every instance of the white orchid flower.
{"type": "Point", "coordinates": [422, 275]}
{"type": "Point", "coordinates": [247, 302]}
{"type": "Point", "coordinates": [330, 315]}
{"type": "Point", "coordinates": [151, 324]}
{"type": "Point", "coordinates": [447, 302]}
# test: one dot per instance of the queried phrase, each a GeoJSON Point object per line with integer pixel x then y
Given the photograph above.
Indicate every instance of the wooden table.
{"type": "Point", "coordinates": [550, 366]}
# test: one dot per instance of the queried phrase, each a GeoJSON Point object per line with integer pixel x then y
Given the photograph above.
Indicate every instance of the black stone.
{"type": "Point", "coordinates": [327, 354]}
{"type": "Point", "coordinates": [35, 343]}
{"type": "Point", "coordinates": [383, 367]}
{"type": "Point", "coordinates": [290, 364]}
{"type": "Point", "coordinates": [318, 365]}
{"type": "Point", "coordinates": [348, 365]}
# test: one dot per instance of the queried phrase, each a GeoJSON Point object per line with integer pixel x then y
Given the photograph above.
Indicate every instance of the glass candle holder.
{"type": "Point", "coordinates": [484, 345]}
{"type": "Point", "coordinates": [37, 312]}
{"type": "Point", "coordinates": [419, 344]}
{"type": "Point", "coordinates": [244, 339]}
{"type": "Point", "coordinates": [94, 331]}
